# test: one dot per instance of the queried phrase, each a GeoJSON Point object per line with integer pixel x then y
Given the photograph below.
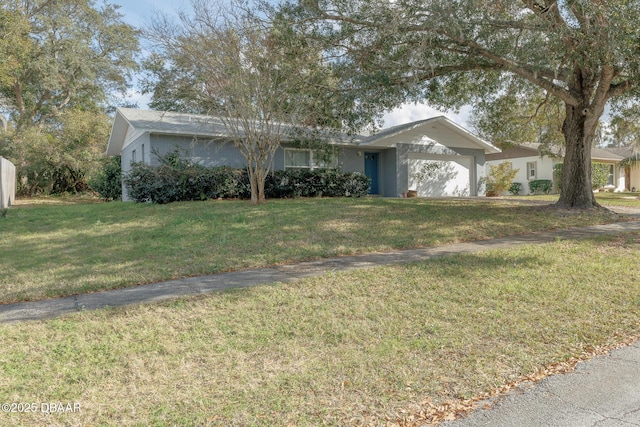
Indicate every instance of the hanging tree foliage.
{"type": "Point", "coordinates": [226, 61]}
{"type": "Point", "coordinates": [61, 63]}
{"type": "Point", "coordinates": [583, 53]}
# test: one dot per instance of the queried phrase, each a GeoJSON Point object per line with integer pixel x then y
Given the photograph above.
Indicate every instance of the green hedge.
{"type": "Point", "coordinates": [177, 179]}
{"type": "Point", "coordinates": [108, 182]}
{"type": "Point", "coordinates": [515, 188]}
{"type": "Point", "coordinates": [538, 186]}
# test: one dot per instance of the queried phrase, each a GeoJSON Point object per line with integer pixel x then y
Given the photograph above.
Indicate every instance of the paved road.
{"type": "Point", "coordinates": [602, 392]}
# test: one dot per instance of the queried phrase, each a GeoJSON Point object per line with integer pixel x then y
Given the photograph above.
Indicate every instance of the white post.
{"type": "Point", "coordinates": [7, 183]}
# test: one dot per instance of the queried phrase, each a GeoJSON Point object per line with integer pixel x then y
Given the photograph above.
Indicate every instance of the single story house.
{"type": "Point", "coordinates": [390, 158]}
{"type": "Point", "coordinates": [533, 165]}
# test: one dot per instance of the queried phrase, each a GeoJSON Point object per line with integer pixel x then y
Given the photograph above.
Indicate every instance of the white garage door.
{"type": "Point", "coordinates": [440, 176]}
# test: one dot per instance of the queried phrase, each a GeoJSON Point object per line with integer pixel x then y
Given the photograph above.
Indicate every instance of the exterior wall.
{"type": "Point", "coordinates": [634, 182]}
{"type": "Point", "coordinates": [205, 152]}
{"type": "Point", "coordinates": [7, 183]}
{"type": "Point", "coordinates": [545, 166]}
{"type": "Point", "coordinates": [278, 159]}
{"type": "Point", "coordinates": [135, 145]}
{"type": "Point", "coordinates": [126, 156]}
{"type": "Point", "coordinates": [480, 161]}
{"type": "Point", "coordinates": [388, 173]}
{"type": "Point", "coordinates": [462, 165]}
{"type": "Point", "coordinates": [351, 159]}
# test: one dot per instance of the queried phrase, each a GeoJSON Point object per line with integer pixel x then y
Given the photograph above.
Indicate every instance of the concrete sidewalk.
{"type": "Point", "coordinates": [601, 392]}
{"type": "Point", "coordinates": [282, 273]}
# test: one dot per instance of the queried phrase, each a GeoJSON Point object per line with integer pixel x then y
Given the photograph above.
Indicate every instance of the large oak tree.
{"type": "Point", "coordinates": [61, 54]}
{"type": "Point", "coordinates": [584, 53]}
{"type": "Point", "coordinates": [62, 62]}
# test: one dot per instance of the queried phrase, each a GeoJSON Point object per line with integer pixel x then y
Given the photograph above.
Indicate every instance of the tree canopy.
{"type": "Point", "coordinates": [61, 63]}
{"type": "Point", "coordinates": [583, 53]}
{"type": "Point", "coordinates": [229, 62]}
{"type": "Point", "coordinates": [61, 54]}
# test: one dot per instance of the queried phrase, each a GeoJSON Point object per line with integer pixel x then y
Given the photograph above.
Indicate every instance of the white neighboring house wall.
{"type": "Point", "coordinates": [532, 166]}
{"type": "Point", "coordinates": [542, 167]}
{"type": "Point", "coordinates": [529, 169]}
{"type": "Point", "coordinates": [7, 183]}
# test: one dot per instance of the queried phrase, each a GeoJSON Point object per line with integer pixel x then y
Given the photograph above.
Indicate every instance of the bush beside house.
{"type": "Point", "coordinates": [177, 179]}
{"type": "Point", "coordinates": [500, 178]}
{"type": "Point", "coordinates": [540, 186]}
{"type": "Point", "coordinates": [108, 182]}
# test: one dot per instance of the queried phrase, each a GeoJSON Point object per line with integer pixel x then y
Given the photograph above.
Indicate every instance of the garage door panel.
{"type": "Point", "coordinates": [440, 178]}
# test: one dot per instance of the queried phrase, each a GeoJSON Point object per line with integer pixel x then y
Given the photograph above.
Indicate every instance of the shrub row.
{"type": "Point", "coordinates": [538, 186]}
{"type": "Point", "coordinates": [177, 179]}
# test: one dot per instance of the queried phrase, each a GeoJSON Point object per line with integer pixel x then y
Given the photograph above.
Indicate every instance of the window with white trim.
{"type": "Point", "coordinates": [133, 156]}
{"type": "Point", "coordinates": [299, 158]}
{"type": "Point", "coordinates": [611, 180]}
{"type": "Point", "coordinates": [532, 170]}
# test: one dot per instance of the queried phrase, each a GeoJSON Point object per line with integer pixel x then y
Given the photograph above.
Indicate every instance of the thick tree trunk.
{"type": "Point", "coordinates": [579, 131]}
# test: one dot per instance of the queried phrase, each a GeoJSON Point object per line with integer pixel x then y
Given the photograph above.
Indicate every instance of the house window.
{"type": "Point", "coordinates": [532, 170]}
{"type": "Point", "coordinates": [297, 159]}
{"type": "Point", "coordinates": [306, 159]}
{"type": "Point", "coordinates": [133, 156]}
{"type": "Point", "coordinates": [142, 159]}
{"type": "Point", "coordinates": [611, 180]}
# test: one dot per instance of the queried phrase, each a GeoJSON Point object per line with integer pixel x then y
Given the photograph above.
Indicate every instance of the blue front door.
{"type": "Point", "coordinates": [371, 170]}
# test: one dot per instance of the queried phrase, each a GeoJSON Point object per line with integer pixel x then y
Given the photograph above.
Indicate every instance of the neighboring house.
{"type": "Point", "coordinates": [390, 158]}
{"type": "Point", "coordinates": [629, 166]}
{"type": "Point", "coordinates": [7, 183]}
{"type": "Point", "coordinates": [533, 165]}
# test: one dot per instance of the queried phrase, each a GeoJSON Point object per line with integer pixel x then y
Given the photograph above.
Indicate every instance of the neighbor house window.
{"type": "Point", "coordinates": [142, 159]}
{"type": "Point", "coordinates": [133, 156]}
{"type": "Point", "coordinates": [611, 180]}
{"type": "Point", "coordinates": [532, 170]}
{"type": "Point", "coordinates": [295, 158]}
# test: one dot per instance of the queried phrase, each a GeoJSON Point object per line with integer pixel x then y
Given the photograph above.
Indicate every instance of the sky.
{"type": "Point", "coordinates": [140, 12]}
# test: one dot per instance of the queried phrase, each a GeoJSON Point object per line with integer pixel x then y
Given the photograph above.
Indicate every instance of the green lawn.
{"type": "Point", "coordinates": [53, 249]}
{"type": "Point", "coordinates": [367, 347]}
{"type": "Point", "coordinates": [631, 200]}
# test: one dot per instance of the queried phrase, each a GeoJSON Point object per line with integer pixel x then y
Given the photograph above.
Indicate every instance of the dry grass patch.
{"type": "Point", "coordinates": [362, 347]}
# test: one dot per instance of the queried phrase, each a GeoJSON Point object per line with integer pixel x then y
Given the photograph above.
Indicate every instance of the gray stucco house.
{"type": "Point", "coordinates": [391, 158]}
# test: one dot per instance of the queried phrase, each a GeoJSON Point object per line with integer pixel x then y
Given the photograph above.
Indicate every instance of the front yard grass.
{"type": "Point", "coordinates": [367, 347]}
{"type": "Point", "coordinates": [630, 200]}
{"type": "Point", "coordinates": [57, 249]}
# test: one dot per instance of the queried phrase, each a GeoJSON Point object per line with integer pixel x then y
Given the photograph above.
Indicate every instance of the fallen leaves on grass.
{"type": "Point", "coordinates": [431, 413]}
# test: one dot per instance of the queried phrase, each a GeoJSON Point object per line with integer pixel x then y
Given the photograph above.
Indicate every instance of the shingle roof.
{"type": "Point", "coordinates": [173, 123]}
{"type": "Point", "coordinates": [597, 154]}
{"type": "Point", "coordinates": [209, 126]}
